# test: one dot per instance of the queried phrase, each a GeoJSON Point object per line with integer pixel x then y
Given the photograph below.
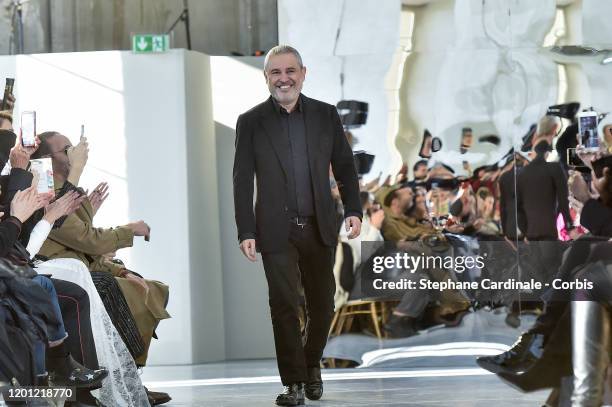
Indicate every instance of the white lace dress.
{"type": "Point", "coordinates": [123, 386]}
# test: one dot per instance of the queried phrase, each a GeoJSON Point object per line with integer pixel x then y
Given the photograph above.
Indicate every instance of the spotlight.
{"type": "Point", "coordinates": [353, 113]}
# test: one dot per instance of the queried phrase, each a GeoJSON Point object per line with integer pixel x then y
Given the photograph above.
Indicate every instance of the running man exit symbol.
{"type": "Point", "coordinates": [146, 43]}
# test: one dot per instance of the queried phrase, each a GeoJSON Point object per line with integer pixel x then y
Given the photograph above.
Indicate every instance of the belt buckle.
{"type": "Point", "coordinates": [297, 222]}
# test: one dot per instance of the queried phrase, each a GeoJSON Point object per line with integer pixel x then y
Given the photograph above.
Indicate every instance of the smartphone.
{"type": "Point", "coordinates": [574, 162]}
{"type": "Point", "coordinates": [587, 130]}
{"type": "Point", "coordinates": [8, 90]}
{"type": "Point", "coordinates": [28, 129]}
{"type": "Point", "coordinates": [599, 165]}
{"type": "Point", "coordinates": [44, 168]}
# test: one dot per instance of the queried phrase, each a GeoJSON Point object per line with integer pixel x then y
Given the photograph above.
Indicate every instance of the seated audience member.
{"type": "Point", "coordinates": [77, 238]}
{"type": "Point", "coordinates": [80, 304]}
{"type": "Point", "coordinates": [419, 172]}
{"type": "Point", "coordinates": [397, 226]}
{"type": "Point", "coordinates": [419, 210]}
{"type": "Point", "coordinates": [74, 302]}
{"type": "Point", "coordinates": [476, 213]}
{"type": "Point", "coordinates": [63, 369]}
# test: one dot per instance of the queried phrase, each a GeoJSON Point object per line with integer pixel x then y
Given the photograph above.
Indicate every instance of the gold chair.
{"type": "Point", "coordinates": [377, 311]}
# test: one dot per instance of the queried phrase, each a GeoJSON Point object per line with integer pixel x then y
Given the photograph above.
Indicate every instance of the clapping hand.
{"type": "Point", "coordinates": [63, 206]}
{"type": "Point", "coordinates": [26, 202]}
{"type": "Point", "coordinates": [98, 196]}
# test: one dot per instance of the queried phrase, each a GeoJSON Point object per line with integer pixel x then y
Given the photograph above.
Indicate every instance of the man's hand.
{"type": "Point", "coordinates": [140, 228]}
{"type": "Point", "coordinates": [98, 196]}
{"type": "Point", "coordinates": [376, 218]}
{"type": "Point", "coordinates": [79, 154]}
{"type": "Point", "coordinates": [455, 228]}
{"type": "Point", "coordinates": [353, 224]}
{"type": "Point", "coordinates": [63, 206]}
{"type": "Point", "coordinates": [138, 280]}
{"type": "Point", "coordinates": [26, 202]}
{"type": "Point", "coordinates": [10, 102]}
{"type": "Point", "coordinates": [578, 187]}
{"type": "Point", "coordinates": [19, 156]}
{"type": "Point", "coordinates": [247, 246]}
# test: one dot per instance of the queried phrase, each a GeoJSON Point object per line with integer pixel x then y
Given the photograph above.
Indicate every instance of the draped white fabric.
{"type": "Point", "coordinates": [123, 386]}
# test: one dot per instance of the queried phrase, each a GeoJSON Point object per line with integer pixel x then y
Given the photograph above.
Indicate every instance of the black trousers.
{"type": "Point", "coordinates": [74, 304]}
{"type": "Point", "coordinates": [309, 260]}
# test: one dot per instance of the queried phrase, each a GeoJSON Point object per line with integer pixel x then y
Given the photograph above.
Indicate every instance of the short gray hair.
{"type": "Point", "coordinates": [283, 49]}
{"type": "Point", "coordinates": [547, 125]}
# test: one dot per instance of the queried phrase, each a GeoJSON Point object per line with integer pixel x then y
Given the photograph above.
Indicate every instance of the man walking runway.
{"type": "Point", "coordinates": [288, 142]}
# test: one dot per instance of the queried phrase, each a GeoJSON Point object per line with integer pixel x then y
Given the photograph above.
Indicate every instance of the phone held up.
{"type": "Point", "coordinates": [28, 129]}
{"type": "Point", "coordinates": [8, 90]}
{"type": "Point", "coordinates": [587, 130]}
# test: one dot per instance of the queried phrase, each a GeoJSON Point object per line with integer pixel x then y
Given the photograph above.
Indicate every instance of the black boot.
{"type": "Point", "coordinates": [293, 395]}
{"type": "Point", "coordinates": [554, 364]}
{"type": "Point", "coordinates": [400, 326]}
{"type": "Point", "coordinates": [313, 388]}
{"type": "Point", "coordinates": [522, 355]}
{"type": "Point", "coordinates": [65, 371]}
{"type": "Point", "coordinates": [157, 397]}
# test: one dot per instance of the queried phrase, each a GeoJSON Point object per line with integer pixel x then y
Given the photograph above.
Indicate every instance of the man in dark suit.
{"type": "Point", "coordinates": [542, 195]}
{"type": "Point", "coordinates": [288, 142]}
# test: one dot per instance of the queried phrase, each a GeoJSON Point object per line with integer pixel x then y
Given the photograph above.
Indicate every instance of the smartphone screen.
{"type": "Point", "coordinates": [587, 127]}
{"type": "Point", "coordinates": [28, 129]}
{"type": "Point", "coordinates": [44, 168]}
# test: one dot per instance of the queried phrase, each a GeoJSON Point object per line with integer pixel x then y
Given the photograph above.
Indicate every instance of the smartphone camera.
{"type": "Point", "coordinates": [28, 129]}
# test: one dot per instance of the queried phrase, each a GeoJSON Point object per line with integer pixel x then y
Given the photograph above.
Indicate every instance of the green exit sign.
{"type": "Point", "coordinates": [144, 43]}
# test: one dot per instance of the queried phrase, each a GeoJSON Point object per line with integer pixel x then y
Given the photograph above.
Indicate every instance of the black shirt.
{"type": "Point", "coordinates": [300, 199]}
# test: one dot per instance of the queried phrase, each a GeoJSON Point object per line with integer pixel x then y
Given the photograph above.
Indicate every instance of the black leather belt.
{"type": "Point", "coordinates": [302, 220]}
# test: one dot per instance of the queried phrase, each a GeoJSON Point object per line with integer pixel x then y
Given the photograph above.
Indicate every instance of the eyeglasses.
{"type": "Point", "coordinates": [63, 150]}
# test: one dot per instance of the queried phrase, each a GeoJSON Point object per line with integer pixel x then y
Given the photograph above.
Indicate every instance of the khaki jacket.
{"type": "Point", "coordinates": [78, 239]}
{"type": "Point", "coordinates": [396, 228]}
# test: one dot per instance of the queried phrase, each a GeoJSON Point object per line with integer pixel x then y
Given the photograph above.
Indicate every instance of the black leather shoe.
{"type": "Point", "coordinates": [313, 388]}
{"type": "Point", "coordinates": [540, 376]}
{"type": "Point", "coordinates": [293, 395]}
{"type": "Point", "coordinates": [400, 327]}
{"type": "Point", "coordinates": [68, 372]}
{"type": "Point", "coordinates": [157, 397]}
{"type": "Point", "coordinates": [521, 356]}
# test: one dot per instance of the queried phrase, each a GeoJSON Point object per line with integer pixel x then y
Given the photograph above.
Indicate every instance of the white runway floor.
{"type": "Point", "coordinates": [433, 369]}
{"type": "Point", "coordinates": [255, 383]}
